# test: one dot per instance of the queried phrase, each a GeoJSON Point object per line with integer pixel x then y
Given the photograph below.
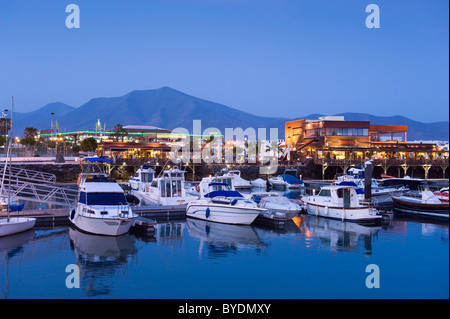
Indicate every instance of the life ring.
{"type": "Point", "coordinates": [197, 188]}
{"type": "Point", "coordinates": [147, 188]}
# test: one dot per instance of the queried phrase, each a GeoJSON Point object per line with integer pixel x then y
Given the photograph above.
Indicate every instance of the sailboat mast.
{"type": "Point", "coordinates": [9, 154]}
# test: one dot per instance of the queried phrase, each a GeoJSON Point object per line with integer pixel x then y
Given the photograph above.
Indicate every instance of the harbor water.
{"type": "Point", "coordinates": [310, 257]}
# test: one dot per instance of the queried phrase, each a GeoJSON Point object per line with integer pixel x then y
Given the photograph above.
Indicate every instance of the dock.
{"type": "Point", "coordinates": [60, 216]}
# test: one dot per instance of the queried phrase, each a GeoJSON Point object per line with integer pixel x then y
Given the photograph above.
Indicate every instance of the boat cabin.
{"type": "Point", "coordinates": [338, 196]}
{"type": "Point", "coordinates": [171, 184]}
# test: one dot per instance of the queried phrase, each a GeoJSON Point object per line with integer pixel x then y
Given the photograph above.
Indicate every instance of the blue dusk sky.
{"type": "Point", "coordinates": [287, 58]}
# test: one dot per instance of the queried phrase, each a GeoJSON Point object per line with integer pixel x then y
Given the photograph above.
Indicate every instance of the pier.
{"type": "Point", "coordinates": [60, 216]}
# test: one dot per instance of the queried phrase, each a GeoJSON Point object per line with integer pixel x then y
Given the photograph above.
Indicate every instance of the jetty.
{"type": "Point", "coordinates": [60, 216]}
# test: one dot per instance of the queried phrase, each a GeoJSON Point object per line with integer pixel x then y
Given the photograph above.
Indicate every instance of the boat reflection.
{"type": "Point", "coordinates": [338, 235]}
{"type": "Point", "coordinates": [99, 257]}
{"type": "Point", "coordinates": [219, 240]}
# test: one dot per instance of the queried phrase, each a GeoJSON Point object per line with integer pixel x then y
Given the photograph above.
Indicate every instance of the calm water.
{"type": "Point", "coordinates": [311, 258]}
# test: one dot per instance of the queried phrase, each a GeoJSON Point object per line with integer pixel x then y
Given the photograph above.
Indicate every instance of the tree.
{"type": "Point", "coordinates": [120, 131]}
{"type": "Point", "coordinates": [30, 132]}
{"type": "Point", "coordinates": [2, 140]}
{"type": "Point", "coordinates": [89, 144]}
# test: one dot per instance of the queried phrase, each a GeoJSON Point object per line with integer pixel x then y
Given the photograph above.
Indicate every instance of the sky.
{"type": "Point", "coordinates": [286, 58]}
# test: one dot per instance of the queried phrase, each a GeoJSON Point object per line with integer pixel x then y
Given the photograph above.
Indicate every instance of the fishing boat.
{"type": "Point", "coordinates": [423, 203]}
{"type": "Point", "coordinates": [442, 194]}
{"type": "Point", "coordinates": [276, 202]}
{"type": "Point", "coordinates": [238, 181]}
{"type": "Point", "coordinates": [220, 203]}
{"type": "Point", "coordinates": [339, 202]}
{"type": "Point", "coordinates": [12, 225]}
{"type": "Point", "coordinates": [167, 189]}
{"type": "Point", "coordinates": [102, 208]}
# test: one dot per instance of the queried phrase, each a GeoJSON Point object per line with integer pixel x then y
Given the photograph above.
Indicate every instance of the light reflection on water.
{"type": "Point", "coordinates": [311, 258]}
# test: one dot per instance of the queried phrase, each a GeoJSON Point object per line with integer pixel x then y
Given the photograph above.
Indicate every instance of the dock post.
{"type": "Point", "coordinates": [368, 181]}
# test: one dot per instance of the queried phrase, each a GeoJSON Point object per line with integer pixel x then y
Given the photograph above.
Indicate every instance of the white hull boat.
{"type": "Point", "coordinates": [219, 203]}
{"type": "Point", "coordinates": [169, 189]}
{"type": "Point", "coordinates": [15, 225]}
{"type": "Point", "coordinates": [222, 213]}
{"type": "Point", "coordinates": [278, 182]}
{"type": "Point", "coordinates": [103, 226]}
{"type": "Point", "coordinates": [277, 203]}
{"type": "Point", "coordinates": [259, 183]}
{"type": "Point", "coordinates": [102, 208]}
{"type": "Point", "coordinates": [238, 181]}
{"type": "Point", "coordinates": [339, 202]}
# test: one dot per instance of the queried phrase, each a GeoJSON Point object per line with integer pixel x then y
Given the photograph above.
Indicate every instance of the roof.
{"type": "Point", "coordinates": [102, 187]}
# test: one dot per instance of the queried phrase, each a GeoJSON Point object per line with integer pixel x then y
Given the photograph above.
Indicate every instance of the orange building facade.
{"type": "Point", "coordinates": [333, 137]}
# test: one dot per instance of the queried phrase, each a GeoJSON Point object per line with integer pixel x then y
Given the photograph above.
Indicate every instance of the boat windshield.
{"type": "Point", "coordinates": [103, 198]}
{"type": "Point", "coordinates": [171, 188]}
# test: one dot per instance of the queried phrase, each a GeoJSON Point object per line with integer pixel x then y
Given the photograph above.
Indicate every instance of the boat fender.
{"type": "Point", "coordinates": [325, 211]}
{"type": "Point", "coordinates": [147, 188]}
{"type": "Point", "coordinates": [233, 202]}
{"type": "Point", "coordinates": [317, 210]}
{"type": "Point", "coordinates": [72, 214]}
{"type": "Point", "coordinates": [208, 212]}
{"type": "Point", "coordinates": [79, 179]}
{"type": "Point", "coordinates": [343, 214]}
{"type": "Point", "coordinates": [197, 188]}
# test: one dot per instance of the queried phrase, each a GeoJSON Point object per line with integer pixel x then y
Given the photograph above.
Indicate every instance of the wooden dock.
{"type": "Point", "coordinates": [60, 216]}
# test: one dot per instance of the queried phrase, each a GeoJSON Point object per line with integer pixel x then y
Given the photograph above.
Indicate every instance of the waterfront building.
{"type": "Point", "coordinates": [332, 137]}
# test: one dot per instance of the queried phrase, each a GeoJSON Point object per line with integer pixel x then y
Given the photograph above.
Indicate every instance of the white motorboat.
{"type": "Point", "coordinates": [339, 202]}
{"type": "Point", "coordinates": [169, 189]}
{"type": "Point", "coordinates": [278, 182]}
{"type": "Point", "coordinates": [238, 181]}
{"type": "Point", "coordinates": [143, 176]}
{"type": "Point", "coordinates": [259, 182]}
{"type": "Point", "coordinates": [276, 202]}
{"type": "Point", "coordinates": [220, 203]}
{"type": "Point", "coordinates": [102, 207]}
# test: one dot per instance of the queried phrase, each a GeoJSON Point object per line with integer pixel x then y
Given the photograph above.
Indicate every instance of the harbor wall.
{"type": "Point", "coordinates": [68, 172]}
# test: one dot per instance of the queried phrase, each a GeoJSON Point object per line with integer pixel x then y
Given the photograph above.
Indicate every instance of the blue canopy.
{"type": "Point", "coordinates": [98, 159]}
{"type": "Point", "coordinates": [291, 179]}
{"type": "Point", "coordinates": [359, 190]}
{"type": "Point", "coordinates": [224, 193]}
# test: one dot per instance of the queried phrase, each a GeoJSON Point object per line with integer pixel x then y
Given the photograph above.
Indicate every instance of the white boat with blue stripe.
{"type": "Point", "coordinates": [221, 204]}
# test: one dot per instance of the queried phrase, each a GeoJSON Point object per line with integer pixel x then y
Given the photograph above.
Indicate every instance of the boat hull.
{"type": "Point", "coordinates": [16, 225]}
{"type": "Point", "coordinates": [360, 214]}
{"type": "Point", "coordinates": [223, 213]}
{"type": "Point", "coordinates": [406, 206]}
{"type": "Point", "coordinates": [102, 226]}
{"type": "Point", "coordinates": [150, 198]}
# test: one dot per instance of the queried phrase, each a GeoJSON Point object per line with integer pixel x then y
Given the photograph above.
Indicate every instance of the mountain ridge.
{"type": "Point", "coordinates": [169, 108]}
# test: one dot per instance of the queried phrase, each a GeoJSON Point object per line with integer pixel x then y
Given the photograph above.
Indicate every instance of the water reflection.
{"type": "Point", "coordinates": [219, 240]}
{"type": "Point", "coordinates": [336, 234]}
{"type": "Point", "coordinates": [100, 258]}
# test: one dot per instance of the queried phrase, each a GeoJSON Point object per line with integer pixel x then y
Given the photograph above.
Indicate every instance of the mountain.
{"type": "Point", "coordinates": [169, 108]}
{"type": "Point", "coordinates": [40, 118]}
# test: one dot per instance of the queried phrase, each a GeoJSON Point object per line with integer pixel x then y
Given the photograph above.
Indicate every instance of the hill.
{"type": "Point", "coordinates": [169, 108]}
